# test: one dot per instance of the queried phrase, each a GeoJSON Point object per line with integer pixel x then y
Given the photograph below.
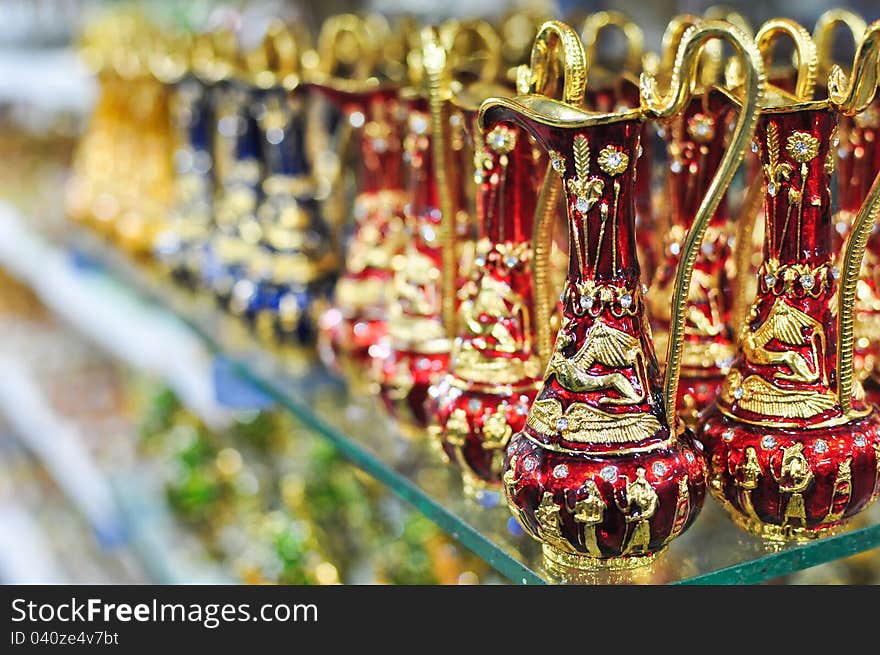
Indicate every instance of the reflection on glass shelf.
{"type": "Point", "coordinates": [712, 551]}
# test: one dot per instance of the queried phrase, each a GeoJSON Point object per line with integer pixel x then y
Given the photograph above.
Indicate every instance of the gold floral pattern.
{"type": "Point", "coordinates": [613, 161]}
{"type": "Point", "coordinates": [802, 146]}
{"type": "Point", "coordinates": [586, 189]}
{"type": "Point", "coordinates": [776, 171]}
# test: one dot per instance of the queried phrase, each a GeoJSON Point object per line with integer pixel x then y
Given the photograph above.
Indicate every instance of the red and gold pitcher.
{"type": "Point", "coordinates": [495, 369]}
{"type": "Point", "coordinates": [605, 473]}
{"type": "Point", "coordinates": [357, 324]}
{"type": "Point", "coordinates": [794, 450]}
{"type": "Point", "coordinates": [423, 305]}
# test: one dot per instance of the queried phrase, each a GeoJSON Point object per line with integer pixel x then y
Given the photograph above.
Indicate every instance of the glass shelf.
{"type": "Point", "coordinates": [713, 551]}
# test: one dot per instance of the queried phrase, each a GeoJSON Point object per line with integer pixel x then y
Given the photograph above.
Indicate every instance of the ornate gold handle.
{"type": "Point", "coordinates": [439, 52]}
{"type": "Point", "coordinates": [276, 59]}
{"type": "Point", "coordinates": [556, 46]}
{"type": "Point", "coordinates": [804, 48]}
{"type": "Point", "coordinates": [347, 29]}
{"type": "Point", "coordinates": [823, 33]}
{"type": "Point", "coordinates": [722, 12]}
{"type": "Point", "coordinates": [664, 107]}
{"type": "Point", "coordinates": [595, 24]}
{"type": "Point", "coordinates": [452, 32]}
{"type": "Point", "coordinates": [662, 67]}
{"type": "Point", "coordinates": [435, 63]}
{"type": "Point", "coordinates": [852, 96]}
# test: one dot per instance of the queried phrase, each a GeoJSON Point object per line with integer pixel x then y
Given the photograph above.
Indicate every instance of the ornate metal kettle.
{"type": "Point", "coordinates": [604, 472]}
{"type": "Point", "coordinates": [794, 450]}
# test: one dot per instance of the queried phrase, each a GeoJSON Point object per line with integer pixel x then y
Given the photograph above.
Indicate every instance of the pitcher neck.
{"type": "Point", "coordinates": [508, 170]}
{"type": "Point", "coordinates": [598, 168]}
{"type": "Point", "coordinates": [381, 147]}
{"type": "Point", "coordinates": [797, 157]}
{"type": "Point", "coordinates": [698, 140]}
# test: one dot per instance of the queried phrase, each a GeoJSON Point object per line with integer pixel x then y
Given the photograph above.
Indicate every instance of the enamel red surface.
{"type": "Point", "coordinates": [538, 464]}
{"type": "Point", "coordinates": [378, 214]}
{"type": "Point", "coordinates": [508, 185]}
{"type": "Point", "coordinates": [731, 433]}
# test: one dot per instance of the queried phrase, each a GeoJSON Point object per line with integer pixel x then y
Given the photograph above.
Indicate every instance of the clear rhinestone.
{"type": "Point", "coordinates": [661, 132]}
{"type": "Point", "coordinates": [560, 471]}
{"type": "Point", "coordinates": [558, 165]}
{"type": "Point", "coordinates": [807, 281]}
{"type": "Point", "coordinates": [562, 296]}
{"type": "Point", "coordinates": [754, 147]}
{"type": "Point", "coordinates": [614, 160]}
{"type": "Point", "coordinates": [689, 456]}
{"type": "Point", "coordinates": [640, 152]}
{"type": "Point", "coordinates": [521, 409]}
{"type": "Point", "coordinates": [609, 473]}
{"type": "Point", "coordinates": [562, 424]}
{"type": "Point", "coordinates": [835, 272]}
{"type": "Point", "coordinates": [497, 139]}
{"type": "Point", "coordinates": [768, 442]}
{"type": "Point", "coordinates": [728, 435]}
{"type": "Point", "coordinates": [423, 364]}
{"type": "Point", "coordinates": [738, 393]}
{"type": "Point", "coordinates": [644, 288]}
{"type": "Point", "coordinates": [836, 141]}
{"type": "Point", "coordinates": [769, 279]}
{"type": "Point", "coordinates": [480, 261]}
{"type": "Point", "coordinates": [418, 124]}
{"type": "Point", "coordinates": [511, 261]}
{"type": "Point", "coordinates": [801, 148]}
{"type": "Point", "coordinates": [708, 248]}
{"type": "Point", "coordinates": [586, 302]}
{"type": "Point", "coordinates": [356, 119]}
{"type": "Point", "coordinates": [626, 301]}
{"type": "Point", "coordinates": [529, 464]}
{"type": "Point", "coordinates": [581, 205]}
{"type": "Point", "coordinates": [659, 469]}
{"type": "Point", "coordinates": [675, 167]}
{"type": "Point", "coordinates": [771, 189]}
{"type": "Point", "coordinates": [675, 247]}
{"type": "Point", "coordinates": [475, 405]}
{"type": "Point", "coordinates": [821, 446]}
{"type": "Point", "coordinates": [860, 441]}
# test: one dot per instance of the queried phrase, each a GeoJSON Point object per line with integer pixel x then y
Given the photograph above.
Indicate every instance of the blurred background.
{"type": "Point", "coordinates": [128, 454]}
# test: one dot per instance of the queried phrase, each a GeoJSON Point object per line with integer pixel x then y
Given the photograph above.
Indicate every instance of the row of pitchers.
{"type": "Point", "coordinates": [477, 188]}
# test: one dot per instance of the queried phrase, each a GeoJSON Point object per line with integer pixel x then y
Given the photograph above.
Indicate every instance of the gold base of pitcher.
{"type": "Point", "coordinates": [562, 562]}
